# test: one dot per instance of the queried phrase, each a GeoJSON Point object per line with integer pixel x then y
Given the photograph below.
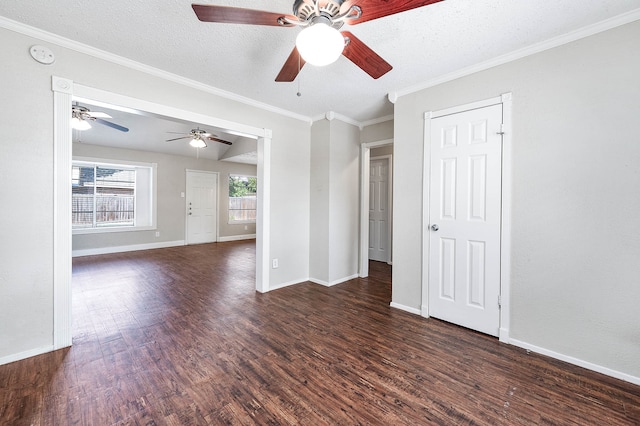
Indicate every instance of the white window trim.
{"type": "Point", "coordinates": [153, 189]}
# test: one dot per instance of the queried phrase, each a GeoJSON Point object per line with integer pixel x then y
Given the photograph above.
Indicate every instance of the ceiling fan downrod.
{"type": "Point", "coordinates": [308, 12]}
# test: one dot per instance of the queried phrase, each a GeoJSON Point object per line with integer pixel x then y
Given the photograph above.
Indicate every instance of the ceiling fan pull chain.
{"type": "Point", "coordinates": [299, 77]}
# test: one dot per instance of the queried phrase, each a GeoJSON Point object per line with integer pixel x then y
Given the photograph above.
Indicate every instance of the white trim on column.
{"type": "Point", "coordinates": [62, 94]}
{"type": "Point", "coordinates": [263, 219]}
{"type": "Point", "coordinates": [505, 249]}
{"type": "Point", "coordinates": [426, 173]}
{"type": "Point", "coordinates": [365, 156]}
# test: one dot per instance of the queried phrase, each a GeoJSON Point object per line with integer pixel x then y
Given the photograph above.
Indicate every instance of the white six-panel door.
{"type": "Point", "coordinates": [202, 208]}
{"type": "Point", "coordinates": [464, 213]}
{"type": "Point", "coordinates": [379, 214]}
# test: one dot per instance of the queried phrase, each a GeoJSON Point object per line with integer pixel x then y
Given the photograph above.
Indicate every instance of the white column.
{"type": "Point", "coordinates": [263, 220]}
{"type": "Point", "coordinates": [62, 98]}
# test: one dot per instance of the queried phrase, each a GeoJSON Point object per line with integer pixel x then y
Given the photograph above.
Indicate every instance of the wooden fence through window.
{"type": "Point", "coordinates": [242, 209]}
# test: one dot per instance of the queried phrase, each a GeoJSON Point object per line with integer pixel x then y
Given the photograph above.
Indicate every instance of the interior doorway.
{"type": "Point", "coordinates": [380, 202]}
{"type": "Point", "coordinates": [365, 170]}
{"type": "Point", "coordinates": [65, 92]}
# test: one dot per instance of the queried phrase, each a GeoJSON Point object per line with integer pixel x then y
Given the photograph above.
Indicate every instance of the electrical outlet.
{"type": "Point", "coordinates": [274, 263]}
{"type": "Point", "coordinates": [246, 227]}
{"type": "Point", "coordinates": [157, 233]}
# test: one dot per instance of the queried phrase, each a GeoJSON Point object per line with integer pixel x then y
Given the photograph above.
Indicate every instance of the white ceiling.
{"type": "Point", "coordinates": [422, 44]}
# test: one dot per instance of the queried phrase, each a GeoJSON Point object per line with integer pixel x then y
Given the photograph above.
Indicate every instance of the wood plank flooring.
{"type": "Point", "coordinates": [179, 336]}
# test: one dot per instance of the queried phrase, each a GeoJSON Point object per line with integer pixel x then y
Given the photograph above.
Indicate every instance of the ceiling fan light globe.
{"type": "Point", "coordinates": [79, 124]}
{"type": "Point", "coordinates": [197, 143]}
{"type": "Point", "coordinates": [320, 44]}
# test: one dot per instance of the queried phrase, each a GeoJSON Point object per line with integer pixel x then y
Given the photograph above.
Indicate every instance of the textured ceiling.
{"type": "Point", "coordinates": [422, 44]}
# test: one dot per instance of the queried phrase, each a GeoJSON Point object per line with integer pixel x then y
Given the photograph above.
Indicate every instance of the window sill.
{"type": "Point", "coordinates": [84, 231]}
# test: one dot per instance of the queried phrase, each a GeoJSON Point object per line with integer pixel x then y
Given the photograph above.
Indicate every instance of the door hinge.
{"type": "Point", "coordinates": [499, 302]}
{"type": "Point", "coordinates": [501, 132]}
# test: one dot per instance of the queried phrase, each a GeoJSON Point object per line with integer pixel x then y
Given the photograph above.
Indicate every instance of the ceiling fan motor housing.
{"type": "Point", "coordinates": [305, 9]}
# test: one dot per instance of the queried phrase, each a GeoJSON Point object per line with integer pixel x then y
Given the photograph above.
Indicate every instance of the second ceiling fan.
{"type": "Point", "coordinates": [198, 137]}
{"type": "Point", "coordinates": [320, 20]}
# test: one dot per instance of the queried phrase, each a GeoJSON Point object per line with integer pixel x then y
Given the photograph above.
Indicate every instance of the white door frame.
{"type": "Point", "coordinates": [64, 92]}
{"type": "Point", "coordinates": [365, 157]}
{"type": "Point", "coordinates": [186, 206]}
{"type": "Point", "coordinates": [389, 157]}
{"type": "Point", "coordinates": [505, 222]}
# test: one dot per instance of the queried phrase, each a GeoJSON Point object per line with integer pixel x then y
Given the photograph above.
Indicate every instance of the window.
{"type": "Point", "coordinates": [242, 198]}
{"type": "Point", "coordinates": [109, 197]}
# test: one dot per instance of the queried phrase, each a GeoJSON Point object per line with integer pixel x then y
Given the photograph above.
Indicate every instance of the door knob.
{"type": "Point", "coordinates": [434, 227]}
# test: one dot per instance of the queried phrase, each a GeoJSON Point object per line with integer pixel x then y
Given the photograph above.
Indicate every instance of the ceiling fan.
{"type": "Point", "coordinates": [197, 138]}
{"type": "Point", "coordinates": [81, 116]}
{"type": "Point", "coordinates": [320, 20]}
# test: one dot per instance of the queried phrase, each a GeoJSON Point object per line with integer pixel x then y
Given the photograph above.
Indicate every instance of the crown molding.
{"type": "Point", "coordinates": [347, 120]}
{"type": "Point", "coordinates": [377, 120]}
{"type": "Point", "coordinates": [330, 115]}
{"type": "Point", "coordinates": [46, 36]}
{"type": "Point", "coordinates": [578, 34]}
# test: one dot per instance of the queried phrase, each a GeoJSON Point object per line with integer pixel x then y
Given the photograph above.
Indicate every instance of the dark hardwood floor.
{"type": "Point", "coordinates": [179, 336]}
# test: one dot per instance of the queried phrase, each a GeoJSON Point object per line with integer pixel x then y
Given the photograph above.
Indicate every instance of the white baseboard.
{"type": "Point", "coordinates": [26, 354]}
{"type": "Point", "coordinates": [121, 249]}
{"type": "Point", "coordinates": [424, 312]}
{"type": "Point", "coordinates": [405, 308]}
{"type": "Point", "coordinates": [575, 361]}
{"type": "Point", "coordinates": [335, 282]}
{"type": "Point", "coordinates": [321, 282]}
{"type": "Point", "coordinates": [504, 338]}
{"type": "Point", "coordinates": [237, 238]}
{"type": "Point", "coordinates": [503, 335]}
{"type": "Point", "coordinates": [287, 284]}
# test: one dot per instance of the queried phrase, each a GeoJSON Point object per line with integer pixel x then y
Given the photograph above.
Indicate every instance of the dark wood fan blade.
{"type": "Point", "coordinates": [374, 9]}
{"type": "Point", "coordinates": [112, 125]}
{"type": "Point", "coordinates": [291, 67]}
{"type": "Point", "coordinates": [362, 55]}
{"type": "Point", "coordinates": [219, 140]}
{"type": "Point", "coordinates": [238, 15]}
{"type": "Point", "coordinates": [177, 139]}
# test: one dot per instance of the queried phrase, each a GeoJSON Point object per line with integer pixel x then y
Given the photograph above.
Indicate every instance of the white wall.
{"type": "Point", "coordinates": [26, 171]}
{"type": "Point", "coordinates": [334, 201]}
{"type": "Point", "coordinates": [383, 150]}
{"type": "Point", "coordinates": [377, 132]}
{"type": "Point", "coordinates": [320, 188]}
{"type": "Point", "coordinates": [344, 201]}
{"type": "Point", "coordinates": [575, 203]}
{"type": "Point", "coordinates": [171, 179]}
